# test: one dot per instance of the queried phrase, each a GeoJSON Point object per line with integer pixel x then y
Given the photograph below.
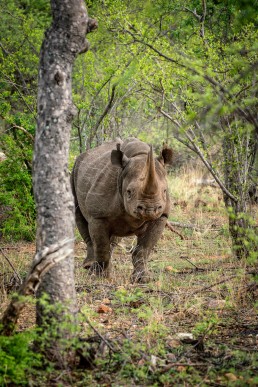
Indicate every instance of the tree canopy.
{"type": "Point", "coordinates": [159, 70]}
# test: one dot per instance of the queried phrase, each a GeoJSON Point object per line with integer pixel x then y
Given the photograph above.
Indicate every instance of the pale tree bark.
{"type": "Point", "coordinates": [64, 40]}
{"type": "Point", "coordinates": [52, 271]}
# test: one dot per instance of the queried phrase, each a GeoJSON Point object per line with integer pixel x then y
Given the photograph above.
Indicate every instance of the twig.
{"type": "Point", "coordinates": [99, 334]}
{"type": "Point", "coordinates": [183, 225]}
{"type": "Point", "coordinates": [24, 131]}
{"type": "Point", "coordinates": [198, 151]}
{"type": "Point", "coordinates": [9, 248]}
{"type": "Point", "coordinates": [196, 267]}
{"type": "Point", "coordinates": [172, 365]}
{"type": "Point", "coordinates": [173, 230]}
{"type": "Point", "coordinates": [106, 110]}
{"type": "Point", "coordinates": [251, 272]}
{"type": "Point", "coordinates": [10, 263]}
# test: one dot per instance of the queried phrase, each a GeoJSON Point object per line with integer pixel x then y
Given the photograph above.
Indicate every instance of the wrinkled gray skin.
{"type": "Point", "coordinates": [120, 189]}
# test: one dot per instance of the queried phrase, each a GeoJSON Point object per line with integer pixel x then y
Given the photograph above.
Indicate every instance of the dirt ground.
{"type": "Point", "coordinates": [195, 323]}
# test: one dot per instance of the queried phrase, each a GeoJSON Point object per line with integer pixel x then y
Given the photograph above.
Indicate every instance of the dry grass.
{"type": "Point", "coordinates": [197, 288]}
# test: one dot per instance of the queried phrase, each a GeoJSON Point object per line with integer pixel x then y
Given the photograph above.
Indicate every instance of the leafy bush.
{"type": "Point", "coordinates": [17, 358]}
{"type": "Point", "coordinates": [16, 197]}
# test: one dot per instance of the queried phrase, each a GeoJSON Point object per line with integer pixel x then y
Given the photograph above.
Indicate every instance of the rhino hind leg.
{"type": "Point", "coordinates": [101, 246]}
{"type": "Point", "coordinates": [83, 228]}
{"type": "Point", "coordinates": [89, 259]}
{"type": "Point", "coordinates": [146, 241]}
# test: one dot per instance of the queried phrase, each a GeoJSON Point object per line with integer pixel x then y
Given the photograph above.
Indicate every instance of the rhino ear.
{"type": "Point", "coordinates": [166, 156]}
{"type": "Point", "coordinates": [118, 158]}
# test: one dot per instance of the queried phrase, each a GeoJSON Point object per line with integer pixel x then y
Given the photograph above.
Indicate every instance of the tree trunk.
{"type": "Point", "coordinates": [55, 209]}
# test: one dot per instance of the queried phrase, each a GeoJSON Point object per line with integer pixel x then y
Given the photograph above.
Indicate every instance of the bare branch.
{"type": "Point", "coordinates": [198, 151]}
{"type": "Point", "coordinates": [10, 263]}
{"type": "Point", "coordinates": [24, 131]}
{"type": "Point", "coordinates": [202, 20]}
{"type": "Point", "coordinates": [249, 272]}
{"type": "Point", "coordinates": [218, 87]}
{"type": "Point", "coordinates": [198, 17]}
{"type": "Point", "coordinates": [182, 225]}
{"type": "Point", "coordinates": [99, 334]}
{"type": "Point", "coordinates": [20, 94]}
{"type": "Point", "coordinates": [171, 228]}
{"type": "Point", "coordinates": [107, 109]}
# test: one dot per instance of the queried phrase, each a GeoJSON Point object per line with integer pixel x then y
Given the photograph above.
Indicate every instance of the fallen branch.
{"type": "Point", "coordinates": [168, 366]}
{"type": "Point", "coordinates": [9, 248]}
{"type": "Point", "coordinates": [44, 260]}
{"type": "Point", "coordinates": [99, 334]}
{"type": "Point", "coordinates": [206, 183]}
{"type": "Point", "coordinates": [175, 231]}
{"type": "Point", "coordinates": [183, 225]}
{"type": "Point", "coordinates": [251, 272]}
{"type": "Point", "coordinates": [188, 260]}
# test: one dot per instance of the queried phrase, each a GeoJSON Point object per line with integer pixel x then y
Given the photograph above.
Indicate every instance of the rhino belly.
{"type": "Point", "coordinates": [121, 227]}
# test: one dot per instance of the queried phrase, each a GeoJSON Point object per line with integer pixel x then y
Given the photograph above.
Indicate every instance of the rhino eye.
{"type": "Point", "coordinates": [165, 191]}
{"type": "Point", "coordinates": [129, 193]}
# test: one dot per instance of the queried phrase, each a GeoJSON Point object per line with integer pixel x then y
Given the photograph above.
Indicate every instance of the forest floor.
{"type": "Point", "coordinates": [194, 324]}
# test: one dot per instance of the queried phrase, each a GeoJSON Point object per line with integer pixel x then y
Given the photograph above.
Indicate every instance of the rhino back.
{"type": "Point", "coordinates": [95, 181]}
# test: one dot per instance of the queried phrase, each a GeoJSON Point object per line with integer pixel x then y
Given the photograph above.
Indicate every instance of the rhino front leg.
{"type": "Point", "coordinates": [101, 247]}
{"type": "Point", "coordinates": [146, 240]}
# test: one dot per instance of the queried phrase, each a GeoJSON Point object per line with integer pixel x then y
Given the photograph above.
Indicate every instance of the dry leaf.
{"type": "Point", "coordinates": [174, 343]}
{"type": "Point", "coordinates": [171, 268]}
{"type": "Point", "coordinates": [171, 357]}
{"type": "Point", "coordinates": [158, 284]}
{"type": "Point", "coordinates": [135, 304]}
{"type": "Point", "coordinates": [231, 377]}
{"type": "Point", "coordinates": [181, 368]}
{"type": "Point", "coordinates": [106, 301]}
{"type": "Point", "coordinates": [104, 309]}
{"type": "Point", "coordinates": [141, 362]}
{"type": "Point", "coordinates": [216, 304]}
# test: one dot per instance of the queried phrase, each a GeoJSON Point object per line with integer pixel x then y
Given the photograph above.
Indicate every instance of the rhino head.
{"type": "Point", "coordinates": [143, 183]}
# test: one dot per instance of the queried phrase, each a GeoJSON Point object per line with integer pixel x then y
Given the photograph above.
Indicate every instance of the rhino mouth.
{"type": "Point", "coordinates": [148, 213]}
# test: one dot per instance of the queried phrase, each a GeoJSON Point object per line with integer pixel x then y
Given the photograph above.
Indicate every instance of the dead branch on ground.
{"type": "Point", "coordinates": [183, 225]}
{"type": "Point", "coordinates": [175, 231]}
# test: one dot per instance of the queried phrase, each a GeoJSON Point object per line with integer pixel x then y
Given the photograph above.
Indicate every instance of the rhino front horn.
{"type": "Point", "coordinates": [150, 182]}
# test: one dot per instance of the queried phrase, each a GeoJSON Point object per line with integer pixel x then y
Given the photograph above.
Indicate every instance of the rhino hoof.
{"type": "Point", "coordinates": [101, 269]}
{"type": "Point", "coordinates": [140, 277]}
{"type": "Point", "coordinates": [87, 263]}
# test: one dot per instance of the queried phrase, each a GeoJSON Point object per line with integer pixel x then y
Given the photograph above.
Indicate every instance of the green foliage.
{"type": "Point", "coordinates": [198, 65]}
{"type": "Point", "coordinates": [124, 296]}
{"type": "Point", "coordinates": [17, 358]}
{"type": "Point", "coordinates": [22, 24]}
{"type": "Point", "coordinates": [207, 325]}
{"type": "Point", "coordinates": [16, 197]}
{"type": "Point", "coordinates": [243, 226]}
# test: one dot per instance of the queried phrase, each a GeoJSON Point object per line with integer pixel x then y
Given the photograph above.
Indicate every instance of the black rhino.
{"type": "Point", "coordinates": [120, 189]}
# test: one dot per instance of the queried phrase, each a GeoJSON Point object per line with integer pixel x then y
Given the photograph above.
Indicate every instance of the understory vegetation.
{"type": "Point", "coordinates": [172, 73]}
{"type": "Point", "coordinates": [195, 323]}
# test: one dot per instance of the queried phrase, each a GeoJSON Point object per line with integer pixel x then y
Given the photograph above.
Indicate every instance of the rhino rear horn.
{"type": "Point", "coordinates": [118, 157]}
